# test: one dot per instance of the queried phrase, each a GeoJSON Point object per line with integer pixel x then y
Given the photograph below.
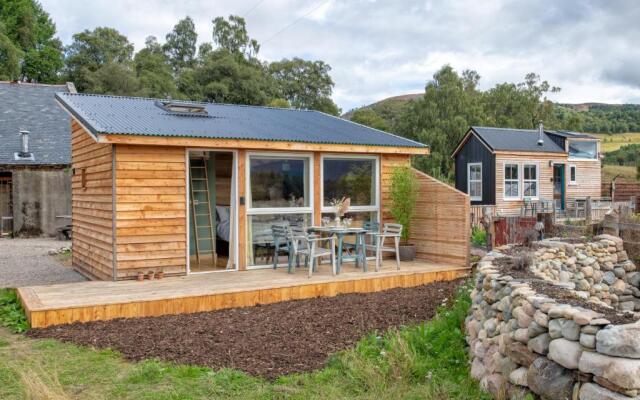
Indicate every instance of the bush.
{"type": "Point", "coordinates": [478, 236]}
{"type": "Point", "coordinates": [404, 193]}
{"type": "Point", "coordinates": [522, 261]}
{"type": "Point", "coordinates": [11, 313]}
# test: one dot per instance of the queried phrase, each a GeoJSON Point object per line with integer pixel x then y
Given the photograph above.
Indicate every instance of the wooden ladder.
{"type": "Point", "coordinates": [194, 210]}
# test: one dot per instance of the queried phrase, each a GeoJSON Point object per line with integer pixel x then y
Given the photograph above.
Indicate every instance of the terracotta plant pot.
{"type": "Point", "coordinates": [140, 276]}
{"type": "Point", "coordinates": [151, 275]}
{"type": "Point", "coordinates": [407, 252]}
{"type": "Point", "coordinates": [159, 274]}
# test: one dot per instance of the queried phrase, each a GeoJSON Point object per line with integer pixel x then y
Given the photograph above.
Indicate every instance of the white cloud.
{"type": "Point", "coordinates": [380, 48]}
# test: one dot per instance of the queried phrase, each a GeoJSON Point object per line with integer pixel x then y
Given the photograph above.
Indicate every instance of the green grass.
{"type": "Point", "coordinates": [426, 361]}
{"type": "Point", "coordinates": [621, 171]}
{"type": "Point", "coordinates": [611, 142]}
{"type": "Point", "coordinates": [11, 313]}
{"type": "Point", "coordinates": [478, 236]}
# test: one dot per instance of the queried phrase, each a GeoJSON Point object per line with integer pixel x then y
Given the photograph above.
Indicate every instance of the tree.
{"type": "Point", "coordinates": [305, 84]}
{"type": "Point", "coordinates": [94, 50]}
{"type": "Point", "coordinates": [181, 44]}
{"type": "Point", "coordinates": [232, 36]}
{"type": "Point", "coordinates": [28, 28]}
{"type": "Point", "coordinates": [369, 117]}
{"type": "Point", "coordinates": [153, 69]}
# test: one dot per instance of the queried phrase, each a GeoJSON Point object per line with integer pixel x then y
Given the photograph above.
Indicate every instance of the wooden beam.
{"type": "Point", "coordinates": [317, 199]}
{"type": "Point", "coordinates": [242, 210]}
{"type": "Point", "coordinates": [257, 144]}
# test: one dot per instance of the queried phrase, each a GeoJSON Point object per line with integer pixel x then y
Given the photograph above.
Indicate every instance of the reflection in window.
{"type": "Point", "coordinates": [511, 181]}
{"type": "Point", "coordinates": [354, 178]}
{"type": "Point", "coordinates": [260, 250]}
{"type": "Point", "coordinates": [279, 182]}
{"type": "Point", "coordinates": [530, 180]}
{"type": "Point", "coordinates": [583, 149]}
{"type": "Point", "coordinates": [475, 181]}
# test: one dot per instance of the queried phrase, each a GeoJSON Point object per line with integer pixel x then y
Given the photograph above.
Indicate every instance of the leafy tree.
{"type": "Point", "coordinates": [279, 103]}
{"type": "Point", "coordinates": [232, 36]}
{"type": "Point", "coordinates": [92, 51]}
{"type": "Point", "coordinates": [369, 117]}
{"type": "Point", "coordinates": [181, 44]}
{"type": "Point", "coordinates": [153, 70]}
{"type": "Point", "coordinates": [305, 84]}
{"type": "Point", "coordinates": [28, 28]}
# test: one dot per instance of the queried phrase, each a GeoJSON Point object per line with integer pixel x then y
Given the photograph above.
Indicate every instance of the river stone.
{"type": "Point", "coordinates": [619, 340]}
{"type": "Point", "coordinates": [565, 352]}
{"type": "Point", "coordinates": [555, 327]}
{"type": "Point", "coordinates": [521, 335]}
{"type": "Point", "coordinates": [535, 329]}
{"type": "Point", "coordinates": [541, 318]}
{"type": "Point", "coordinates": [570, 330]}
{"type": "Point", "coordinates": [477, 369]}
{"type": "Point", "coordinates": [494, 384]}
{"type": "Point", "coordinates": [550, 380]}
{"type": "Point", "coordinates": [624, 372]}
{"type": "Point", "coordinates": [588, 341]}
{"type": "Point", "coordinates": [634, 279]}
{"type": "Point", "coordinates": [519, 353]}
{"type": "Point", "coordinates": [519, 376]}
{"type": "Point", "coordinates": [609, 278]}
{"type": "Point", "coordinates": [591, 391]}
{"type": "Point", "coordinates": [540, 344]}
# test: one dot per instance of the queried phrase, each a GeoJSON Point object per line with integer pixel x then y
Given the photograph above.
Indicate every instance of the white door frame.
{"type": "Point", "coordinates": [234, 202]}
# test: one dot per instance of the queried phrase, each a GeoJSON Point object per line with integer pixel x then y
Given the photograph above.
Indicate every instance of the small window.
{"type": "Point", "coordinates": [474, 181]}
{"type": "Point", "coordinates": [530, 180]}
{"type": "Point", "coordinates": [511, 181]}
{"type": "Point", "coordinates": [572, 175]}
{"type": "Point", "coordinates": [83, 178]}
{"type": "Point", "coordinates": [583, 149]}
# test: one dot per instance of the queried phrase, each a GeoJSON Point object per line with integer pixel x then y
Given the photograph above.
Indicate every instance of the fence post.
{"type": "Point", "coordinates": [587, 210]}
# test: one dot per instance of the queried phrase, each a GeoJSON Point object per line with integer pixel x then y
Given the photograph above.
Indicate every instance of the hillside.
{"type": "Point", "coordinates": [389, 109]}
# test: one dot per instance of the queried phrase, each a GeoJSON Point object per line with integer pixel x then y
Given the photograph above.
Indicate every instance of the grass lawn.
{"type": "Point", "coordinates": [611, 171]}
{"type": "Point", "coordinates": [615, 141]}
{"type": "Point", "coordinates": [427, 361]}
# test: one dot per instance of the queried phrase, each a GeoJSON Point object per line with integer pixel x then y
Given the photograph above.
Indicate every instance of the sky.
{"type": "Point", "coordinates": [383, 48]}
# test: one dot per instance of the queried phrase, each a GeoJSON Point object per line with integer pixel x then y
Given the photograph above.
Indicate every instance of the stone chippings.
{"type": "Point", "coordinates": [521, 341]}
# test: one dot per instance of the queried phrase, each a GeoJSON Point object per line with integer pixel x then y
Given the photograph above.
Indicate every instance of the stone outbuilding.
{"type": "Point", "coordinates": [35, 159]}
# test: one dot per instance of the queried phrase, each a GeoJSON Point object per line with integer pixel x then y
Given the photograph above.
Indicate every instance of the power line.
{"type": "Point", "coordinates": [295, 22]}
{"type": "Point", "coordinates": [252, 8]}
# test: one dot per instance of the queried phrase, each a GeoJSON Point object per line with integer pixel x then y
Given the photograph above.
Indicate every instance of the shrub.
{"type": "Point", "coordinates": [404, 193]}
{"type": "Point", "coordinates": [478, 236]}
{"type": "Point", "coordinates": [11, 313]}
{"type": "Point", "coordinates": [530, 236]}
{"type": "Point", "coordinates": [522, 261]}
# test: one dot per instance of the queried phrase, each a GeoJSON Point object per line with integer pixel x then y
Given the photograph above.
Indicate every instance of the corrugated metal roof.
{"type": "Point", "coordinates": [507, 139]}
{"type": "Point", "coordinates": [570, 134]}
{"type": "Point", "coordinates": [141, 116]}
{"type": "Point", "coordinates": [32, 107]}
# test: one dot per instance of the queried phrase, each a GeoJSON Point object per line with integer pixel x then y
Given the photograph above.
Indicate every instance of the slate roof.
{"type": "Point", "coordinates": [507, 139]}
{"type": "Point", "coordinates": [32, 107]}
{"type": "Point", "coordinates": [140, 116]}
{"type": "Point", "coordinates": [570, 134]}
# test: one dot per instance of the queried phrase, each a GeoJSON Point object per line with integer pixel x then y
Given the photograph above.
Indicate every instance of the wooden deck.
{"type": "Point", "coordinates": [102, 300]}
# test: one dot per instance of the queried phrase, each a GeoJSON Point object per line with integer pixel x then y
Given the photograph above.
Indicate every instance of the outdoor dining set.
{"type": "Point", "coordinates": [317, 242]}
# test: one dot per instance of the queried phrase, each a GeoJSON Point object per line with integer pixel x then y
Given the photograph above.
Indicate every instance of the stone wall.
{"type": "Point", "coordinates": [557, 328]}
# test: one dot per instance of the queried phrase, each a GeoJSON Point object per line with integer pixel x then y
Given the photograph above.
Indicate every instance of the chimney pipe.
{"type": "Point", "coordinates": [25, 143]}
{"type": "Point", "coordinates": [540, 134]}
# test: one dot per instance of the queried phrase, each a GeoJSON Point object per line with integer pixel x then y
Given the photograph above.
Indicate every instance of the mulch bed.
{"type": "Point", "coordinates": [268, 340]}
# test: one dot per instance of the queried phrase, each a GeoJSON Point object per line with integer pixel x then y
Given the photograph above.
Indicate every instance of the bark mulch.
{"type": "Point", "coordinates": [267, 340]}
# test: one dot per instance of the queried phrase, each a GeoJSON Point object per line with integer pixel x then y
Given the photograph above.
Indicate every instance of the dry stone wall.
{"type": "Point", "coordinates": [563, 328]}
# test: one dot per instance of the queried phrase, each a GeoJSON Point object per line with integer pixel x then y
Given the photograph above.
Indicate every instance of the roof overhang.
{"type": "Point", "coordinates": [255, 144]}
{"type": "Point", "coordinates": [466, 138]}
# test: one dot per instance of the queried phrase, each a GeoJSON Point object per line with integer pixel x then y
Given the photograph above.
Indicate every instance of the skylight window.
{"type": "Point", "coordinates": [183, 108]}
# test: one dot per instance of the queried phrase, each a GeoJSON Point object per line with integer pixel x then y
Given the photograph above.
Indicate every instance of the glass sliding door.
{"type": "Point", "coordinates": [279, 189]}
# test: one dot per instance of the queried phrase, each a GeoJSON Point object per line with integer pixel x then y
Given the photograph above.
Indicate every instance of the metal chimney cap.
{"type": "Point", "coordinates": [540, 133]}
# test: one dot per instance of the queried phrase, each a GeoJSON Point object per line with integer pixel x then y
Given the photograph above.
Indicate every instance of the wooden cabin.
{"type": "Point", "coordinates": [507, 168]}
{"type": "Point", "coordinates": [185, 188]}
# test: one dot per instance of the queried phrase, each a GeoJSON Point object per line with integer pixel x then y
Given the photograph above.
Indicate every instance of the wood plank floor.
{"type": "Point", "coordinates": [102, 300]}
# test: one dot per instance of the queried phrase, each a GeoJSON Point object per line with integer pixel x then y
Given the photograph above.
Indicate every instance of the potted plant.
{"type": "Point", "coordinates": [404, 193]}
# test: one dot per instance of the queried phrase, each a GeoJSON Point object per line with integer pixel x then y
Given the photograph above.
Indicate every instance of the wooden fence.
{"type": "Point", "coordinates": [621, 190]}
{"type": "Point", "coordinates": [440, 227]}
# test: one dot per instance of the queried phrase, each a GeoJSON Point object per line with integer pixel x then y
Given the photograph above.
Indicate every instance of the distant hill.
{"type": "Point", "coordinates": [586, 117]}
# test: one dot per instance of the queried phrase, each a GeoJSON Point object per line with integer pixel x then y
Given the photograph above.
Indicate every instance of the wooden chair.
{"type": "Point", "coordinates": [304, 244]}
{"type": "Point", "coordinates": [388, 231]}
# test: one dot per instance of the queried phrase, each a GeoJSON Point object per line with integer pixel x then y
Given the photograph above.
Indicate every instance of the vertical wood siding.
{"type": "Point", "coordinates": [150, 210]}
{"type": "Point", "coordinates": [440, 228]}
{"type": "Point", "coordinates": [474, 151]}
{"type": "Point", "coordinates": [92, 206]}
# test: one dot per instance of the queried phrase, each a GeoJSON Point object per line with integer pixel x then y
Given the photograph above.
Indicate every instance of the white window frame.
{"type": "Point", "coordinates": [518, 181]}
{"type": "Point", "coordinates": [250, 211]}
{"type": "Point", "coordinates": [575, 175]}
{"type": "Point", "coordinates": [537, 180]}
{"type": "Point", "coordinates": [469, 181]}
{"type": "Point", "coordinates": [371, 208]}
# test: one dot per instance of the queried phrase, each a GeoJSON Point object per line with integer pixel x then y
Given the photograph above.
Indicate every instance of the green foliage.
{"type": "Point", "coordinates": [11, 313]}
{"type": "Point", "coordinates": [478, 236]}
{"type": "Point", "coordinates": [368, 117]}
{"type": "Point", "coordinates": [279, 103]}
{"type": "Point", "coordinates": [153, 70]}
{"type": "Point", "coordinates": [599, 118]}
{"type": "Point", "coordinates": [180, 45]}
{"type": "Point", "coordinates": [625, 155]}
{"type": "Point", "coordinates": [231, 35]}
{"type": "Point", "coordinates": [404, 194]}
{"type": "Point", "coordinates": [28, 49]}
{"type": "Point", "coordinates": [305, 84]}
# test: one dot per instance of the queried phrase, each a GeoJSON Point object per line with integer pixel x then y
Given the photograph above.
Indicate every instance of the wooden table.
{"type": "Point", "coordinates": [340, 233]}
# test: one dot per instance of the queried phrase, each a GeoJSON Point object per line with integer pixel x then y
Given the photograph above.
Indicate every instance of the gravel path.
{"type": "Point", "coordinates": [26, 262]}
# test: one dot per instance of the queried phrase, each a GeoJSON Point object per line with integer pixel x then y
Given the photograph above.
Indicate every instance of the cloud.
{"type": "Point", "coordinates": [380, 48]}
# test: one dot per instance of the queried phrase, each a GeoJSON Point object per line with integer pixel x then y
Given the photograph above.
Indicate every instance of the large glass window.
{"type": "Point", "coordinates": [279, 191]}
{"type": "Point", "coordinates": [349, 177]}
{"type": "Point", "coordinates": [583, 149]}
{"type": "Point", "coordinates": [530, 180]}
{"type": "Point", "coordinates": [511, 181]}
{"type": "Point", "coordinates": [474, 179]}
